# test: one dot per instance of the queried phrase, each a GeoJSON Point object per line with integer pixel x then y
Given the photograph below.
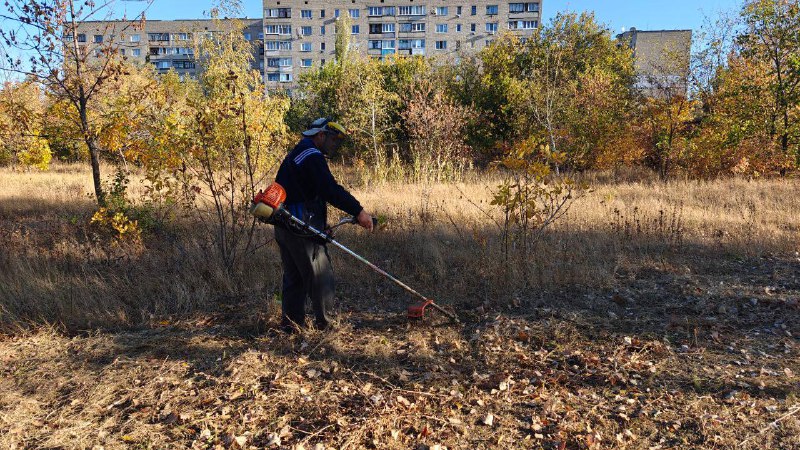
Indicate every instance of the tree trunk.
{"type": "Point", "coordinates": [94, 152]}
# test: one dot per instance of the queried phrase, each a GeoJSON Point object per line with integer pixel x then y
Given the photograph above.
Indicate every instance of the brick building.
{"type": "Point", "coordinates": [300, 34]}
{"type": "Point", "coordinates": [296, 35]}
{"type": "Point", "coordinates": [167, 44]}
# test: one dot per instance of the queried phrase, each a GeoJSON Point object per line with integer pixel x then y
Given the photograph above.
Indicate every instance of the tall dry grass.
{"type": "Point", "coordinates": [444, 240]}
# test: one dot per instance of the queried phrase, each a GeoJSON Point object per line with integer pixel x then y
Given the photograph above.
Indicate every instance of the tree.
{"type": "Point", "coordinates": [435, 126]}
{"type": "Point", "coordinates": [209, 144]}
{"type": "Point", "coordinates": [70, 71]}
{"type": "Point", "coordinates": [22, 111]}
{"type": "Point", "coordinates": [773, 35]}
{"type": "Point", "coordinates": [568, 84]}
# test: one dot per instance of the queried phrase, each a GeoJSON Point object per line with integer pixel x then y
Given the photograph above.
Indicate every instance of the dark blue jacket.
{"type": "Point", "coordinates": [309, 185]}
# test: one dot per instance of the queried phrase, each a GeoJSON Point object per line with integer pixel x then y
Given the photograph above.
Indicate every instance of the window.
{"type": "Point", "coordinates": [375, 45]}
{"type": "Point", "coordinates": [305, 47]}
{"type": "Point", "coordinates": [354, 13]}
{"type": "Point", "coordinates": [516, 7]}
{"type": "Point", "coordinates": [274, 46]}
{"type": "Point", "coordinates": [162, 65]}
{"type": "Point", "coordinates": [183, 64]}
{"type": "Point", "coordinates": [458, 10]}
{"type": "Point", "coordinates": [322, 46]}
{"type": "Point", "coordinates": [280, 13]}
{"type": "Point", "coordinates": [158, 37]}
{"type": "Point", "coordinates": [305, 31]}
{"type": "Point", "coordinates": [182, 36]}
{"type": "Point", "coordinates": [472, 27]}
{"type": "Point", "coordinates": [411, 27]}
{"type": "Point", "coordinates": [81, 37]}
{"type": "Point", "coordinates": [441, 45]}
{"type": "Point", "coordinates": [285, 78]}
{"type": "Point", "coordinates": [458, 27]}
{"type": "Point", "coordinates": [378, 28]}
{"type": "Point", "coordinates": [441, 10]}
{"type": "Point", "coordinates": [279, 62]}
{"type": "Point", "coordinates": [305, 14]}
{"type": "Point", "coordinates": [136, 38]}
{"type": "Point", "coordinates": [321, 13]}
{"type": "Point", "coordinates": [375, 11]}
{"type": "Point", "coordinates": [491, 27]}
{"type": "Point", "coordinates": [474, 10]}
{"type": "Point", "coordinates": [388, 45]}
{"type": "Point", "coordinates": [355, 29]}
{"type": "Point", "coordinates": [322, 30]}
{"type": "Point", "coordinates": [305, 63]}
{"type": "Point", "coordinates": [491, 10]}
{"type": "Point", "coordinates": [412, 11]}
{"type": "Point", "coordinates": [335, 13]}
{"type": "Point", "coordinates": [406, 44]}
{"type": "Point", "coordinates": [260, 36]}
{"type": "Point", "coordinates": [522, 24]}
{"type": "Point", "coordinates": [278, 29]}
{"type": "Point", "coordinates": [272, 77]}
{"type": "Point", "coordinates": [122, 52]}
{"type": "Point", "coordinates": [136, 52]}
{"type": "Point", "coordinates": [248, 37]}
{"type": "Point", "coordinates": [441, 28]}
{"type": "Point", "coordinates": [98, 38]}
{"type": "Point", "coordinates": [532, 7]}
{"type": "Point", "coordinates": [388, 10]}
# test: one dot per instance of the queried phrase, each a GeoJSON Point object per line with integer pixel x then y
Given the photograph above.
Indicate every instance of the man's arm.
{"type": "Point", "coordinates": [332, 192]}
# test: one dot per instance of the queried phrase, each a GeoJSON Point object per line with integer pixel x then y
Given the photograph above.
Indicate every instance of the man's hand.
{"type": "Point", "coordinates": [365, 220]}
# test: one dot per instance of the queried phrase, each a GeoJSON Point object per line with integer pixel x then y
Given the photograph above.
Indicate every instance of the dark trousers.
{"type": "Point", "coordinates": [307, 272]}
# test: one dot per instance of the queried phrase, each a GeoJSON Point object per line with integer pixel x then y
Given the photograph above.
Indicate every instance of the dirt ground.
{"type": "Point", "coordinates": [683, 354]}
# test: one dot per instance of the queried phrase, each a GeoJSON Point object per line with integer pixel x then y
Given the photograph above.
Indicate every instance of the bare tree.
{"type": "Point", "coordinates": [54, 51]}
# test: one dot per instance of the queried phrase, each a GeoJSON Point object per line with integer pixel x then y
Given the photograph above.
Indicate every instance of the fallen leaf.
{"type": "Point", "coordinates": [240, 441]}
{"type": "Point", "coordinates": [273, 439]}
{"type": "Point", "coordinates": [404, 401]}
{"type": "Point", "coordinates": [488, 420]}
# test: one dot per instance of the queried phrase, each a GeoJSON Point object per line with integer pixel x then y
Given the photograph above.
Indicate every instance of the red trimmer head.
{"type": "Point", "coordinates": [418, 311]}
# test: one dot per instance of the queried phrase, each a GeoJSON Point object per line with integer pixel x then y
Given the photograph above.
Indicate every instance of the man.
{"type": "Point", "coordinates": [310, 186]}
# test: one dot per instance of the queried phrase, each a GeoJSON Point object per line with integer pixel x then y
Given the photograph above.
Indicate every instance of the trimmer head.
{"type": "Point", "coordinates": [418, 311]}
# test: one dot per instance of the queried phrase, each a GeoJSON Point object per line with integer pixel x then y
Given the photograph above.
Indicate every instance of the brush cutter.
{"type": "Point", "coordinates": [268, 206]}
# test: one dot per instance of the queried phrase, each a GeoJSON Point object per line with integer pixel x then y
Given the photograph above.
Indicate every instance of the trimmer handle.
{"type": "Point", "coordinates": [354, 221]}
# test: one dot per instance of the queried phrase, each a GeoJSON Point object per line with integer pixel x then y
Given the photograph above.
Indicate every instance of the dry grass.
{"type": "Point", "coordinates": [656, 316]}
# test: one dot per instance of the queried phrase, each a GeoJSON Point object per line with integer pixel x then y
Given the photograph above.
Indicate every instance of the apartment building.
{"type": "Point", "coordinates": [167, 44]}
{"type": "Point", "coordinates": [661, 59]}
{"type": "Point", "coordinates": [301, 34]}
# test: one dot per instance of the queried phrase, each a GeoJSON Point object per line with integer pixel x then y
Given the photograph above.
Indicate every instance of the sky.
{"type": "Point", "coordinates": [616, 14]}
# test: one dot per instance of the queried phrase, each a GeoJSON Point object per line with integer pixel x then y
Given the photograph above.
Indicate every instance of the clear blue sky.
{"type": "Point", "coordinates": [642, 14]}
